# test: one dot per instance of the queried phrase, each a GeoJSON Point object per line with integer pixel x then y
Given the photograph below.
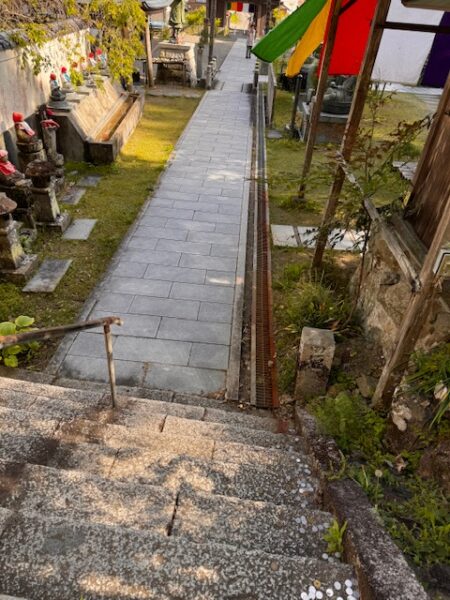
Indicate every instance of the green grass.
{"type": "Point", "coordinates": [115, 202]}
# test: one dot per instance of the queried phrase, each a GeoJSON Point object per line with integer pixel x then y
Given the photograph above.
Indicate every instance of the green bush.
{"type": "Point", "coordinates": [354, 426]}
{"type": "Point", "coordinates": [195, 18]}
{"type": "Point", "coordinates": [20, 325]}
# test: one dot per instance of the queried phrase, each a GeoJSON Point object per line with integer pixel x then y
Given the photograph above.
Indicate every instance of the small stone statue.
{"type": "Point", "coordinates": [24, 133]}
{"type": "Point", "coordinates": [338, 97]}
{"type": "Point", "coordinates": [65, 80]}
{"type": "Point", "coordinates": [176, 19]}
{"type": "Point", "coordinates": [9, 175]}
{"type": "Point", "coordinates": [57, 96]}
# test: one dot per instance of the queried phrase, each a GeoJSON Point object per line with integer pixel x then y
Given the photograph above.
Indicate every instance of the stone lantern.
{"type": "Point", "coordinates": [45, 206]}
{"type": "Point", "coordinates": [14, 263]}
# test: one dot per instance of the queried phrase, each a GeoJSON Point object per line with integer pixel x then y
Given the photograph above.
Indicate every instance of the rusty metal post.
{"type": "Point", "coordinates": [109, 358]}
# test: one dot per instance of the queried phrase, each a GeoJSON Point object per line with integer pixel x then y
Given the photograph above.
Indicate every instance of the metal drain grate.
{"type": "Point", "coordinates": [247, 88]}
{"type": "Point", "coordinates": [264, 379]}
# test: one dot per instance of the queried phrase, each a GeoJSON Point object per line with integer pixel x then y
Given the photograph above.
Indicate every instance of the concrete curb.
{"type": "Point", "coordinates": [382, 570]}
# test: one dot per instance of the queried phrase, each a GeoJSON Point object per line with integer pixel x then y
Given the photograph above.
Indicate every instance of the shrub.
{"type": "Point", "coordinates": [20, 325]}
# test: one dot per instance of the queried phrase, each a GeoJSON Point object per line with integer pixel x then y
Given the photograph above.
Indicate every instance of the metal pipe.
{"type": "Point", "coordinates": [110, 360]}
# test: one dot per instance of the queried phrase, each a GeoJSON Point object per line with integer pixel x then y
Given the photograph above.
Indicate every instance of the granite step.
{"type": "Point", "coordinates": [15, 393]}
{"type": "Point", "coordinates": [267, 483]}
{"type": "Point", "coordinates": [153, 436]}
{"type": "Point", "coordinates": [199, 517]}
{"type": "Point", "coordinates": [56, 558]}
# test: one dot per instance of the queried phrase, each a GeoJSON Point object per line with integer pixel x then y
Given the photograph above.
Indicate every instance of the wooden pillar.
{"type": "Point", "coordinates": [318, 100]}
{"type": "Point", "coordinates": [148, 51]}
{"type": "Point", "coordinates": [212, 28]}
{"type": "Point", "coordinates": [354, 119]}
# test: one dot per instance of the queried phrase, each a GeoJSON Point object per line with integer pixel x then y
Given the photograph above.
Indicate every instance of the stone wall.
{"type": "Point", "coordinates": [385, 294]}
{"type": "Point", "coordinates": [22, 90]}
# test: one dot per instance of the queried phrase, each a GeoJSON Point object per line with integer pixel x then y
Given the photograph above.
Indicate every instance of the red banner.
{"type": "Point", "coordinates": [352, 35]}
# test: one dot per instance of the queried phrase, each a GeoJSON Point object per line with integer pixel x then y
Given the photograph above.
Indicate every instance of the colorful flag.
{"type": "Point", "coordinates": [288, 31]}
{"type": "Point", "coordinates": [352, 34]}
{"type": "Point", "coordinates": [312, 38]}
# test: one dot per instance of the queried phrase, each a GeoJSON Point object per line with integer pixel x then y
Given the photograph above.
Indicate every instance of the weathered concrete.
{"type": "Point", "coordinates": [315, 359]}
{"type": "Point", "coordinates": [48, 276]}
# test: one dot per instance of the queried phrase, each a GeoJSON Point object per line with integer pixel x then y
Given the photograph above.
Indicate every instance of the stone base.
{"type": "Point", "coordinates": [60, 105]}
{"type": "Point", "coordinates": [61, 222]}
{"type": "Point", "coordinates": [330, 129]}
{"type": "Point", "coordinates": [23, 273]}
{"type": "Point", "coordinates": [176, 62]}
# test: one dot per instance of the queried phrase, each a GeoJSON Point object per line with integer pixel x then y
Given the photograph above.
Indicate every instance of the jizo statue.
{"type": "Point", "coordinates": [176, 19]}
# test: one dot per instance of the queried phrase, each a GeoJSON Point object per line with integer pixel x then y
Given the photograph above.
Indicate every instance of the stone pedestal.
{"type": "Point", "coordinates": [27, 153]}
{"type": "Point", "coordinates": [15, 265]}
{"type": "Point", "coordinates": [330, 129]}
{"type": "Point", "coordinates": [176, 62]}
{"type": "Point", "coordinates": [49, 134]}
{"type": "Point", "coordinates": [22, 196]}
{"type": "Point", "coordinates": [46, 208]}
{"type": "Point", "coordinates": [316, 353]}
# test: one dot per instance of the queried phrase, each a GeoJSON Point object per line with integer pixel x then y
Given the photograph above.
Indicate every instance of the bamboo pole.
{"type": "Point", "coordinates": [354, 119]}
{"type": "Point", "coordinates": [318, 100]}
{"type": "Point", "coordinates": [148, 51]}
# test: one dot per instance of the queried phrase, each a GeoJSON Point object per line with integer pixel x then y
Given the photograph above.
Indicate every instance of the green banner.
{"type": "Point", "coordinates": [287, 33]}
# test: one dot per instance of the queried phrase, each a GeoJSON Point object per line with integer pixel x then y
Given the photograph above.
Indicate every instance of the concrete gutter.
{"type": "Point", "coordinates": [382, 570]}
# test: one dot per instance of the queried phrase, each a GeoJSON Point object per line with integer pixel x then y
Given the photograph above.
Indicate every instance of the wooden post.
{"type": "Point", "coordinates": [318, 100]}
{"type": "Point", "coordinates": [212, 28]}
{"type": "Point", "coordinates": [354, 119]}
{"type": "Point", "coordinates": [148, 51]}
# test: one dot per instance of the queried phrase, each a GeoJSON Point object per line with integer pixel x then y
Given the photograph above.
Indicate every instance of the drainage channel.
{"type": "Point", "coordinates": [264, 392]}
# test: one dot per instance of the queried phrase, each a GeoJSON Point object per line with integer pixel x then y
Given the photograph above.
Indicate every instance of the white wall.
{"type": "Point", "coordinates": [402, 54]}
{"type": "Point", "coordinates": [21, 90]}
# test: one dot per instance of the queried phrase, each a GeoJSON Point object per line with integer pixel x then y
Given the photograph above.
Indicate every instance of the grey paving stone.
{"type": "Point", "coordinates": [142, 243]}
{"type": "Point", "coordinates": [189, 225]}
{"type": "Point", "coordinates": [203, 206]}
{"type": "Point", "coordinates": [163, 233]}
{"type": "Point", "coordinates": [89, 181]}
{"type": "Point", "coordinates": [143, 287]}
{"type": "Point", "coordinates": [96, 369]}
{"type": "Point", "coordinates": [164, 202]}
{"type": "Point", "coordinates": [202, 248]}
{"type": "Point", "coordinates": [211, 263]}
{"type": "Point", "coordinates": [144, 326]}
{"type": "Point", "coordinates": [184, 379]}
{"type": "Point", "coordinates": [233, 228]}
{"type": "Point", "coordinates": [148, 221]}
{"type": "Point", "coordinates": [151, 257]}
{"type": "Point", "coordinates": [80, 229]}
{"type": "Point", "coordinates": [230, 209]}
{"type": "Point", "coordinates": [206, 293]}
{"type": "Point", "coordinates": [114, 302]}
{"type": "Point", "coordinates": [220, 277]}
{"type": "Point", "coordinates": [176, 195]}
{"type": "Point", "coordinates": [210, 356]}
{"type": "Point", "coordinates": [170, 213]}
{"type": "Point", "coordinates": [153, 350]}
{"type": "Point", "coordinates": [283, 235]}
{"type": "Point", "coordinates": [213, 237]}
{"type": "Point", "coordinates": [128, 269]}
{"type": "Point", "coordinates": [89, 344]}
{"type": "Point", "coordinates": [215, 312]}
{"type": "Point", "coordinates": [215, 218]}
{"type": "Point", "coordinates": [73, 196]}
{"type": "Point", "coordinates": [50, 273]}
{"type": "Point", "coordinates": [165, 307]}
{"type": "Point", "coordinates": [180, 274]}
{"type": "Point", "coordinates": [224, 250]}
{"type": "Point", "coordinates": [194, 331]}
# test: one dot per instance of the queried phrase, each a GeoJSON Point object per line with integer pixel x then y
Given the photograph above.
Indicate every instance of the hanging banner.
{"type": "Point", "coordinates": [288, 32]}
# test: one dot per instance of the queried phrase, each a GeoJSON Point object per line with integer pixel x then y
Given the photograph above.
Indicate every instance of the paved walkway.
{"type": "Point", "coordinates": [177, 281]}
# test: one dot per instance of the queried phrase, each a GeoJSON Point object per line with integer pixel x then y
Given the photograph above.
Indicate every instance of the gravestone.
{"type": "Point", "coordinates": [316, 353]}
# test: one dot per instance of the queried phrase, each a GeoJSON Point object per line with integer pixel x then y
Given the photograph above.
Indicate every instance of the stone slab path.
{"type": "Point", "coordinates": [48, 276]}
{"type": "Point", "coordinates": [305, 237]}
{"type": "Point", "coordinates": [177, 281]}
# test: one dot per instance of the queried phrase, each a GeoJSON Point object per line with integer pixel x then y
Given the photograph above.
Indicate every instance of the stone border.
{"type": "Point", "coordinates": [382, 570]}
{"type": "Point", "coordinates": [89, 304]}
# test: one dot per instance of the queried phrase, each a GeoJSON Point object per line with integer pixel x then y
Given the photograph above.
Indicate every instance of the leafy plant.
{"type": "Point", "coordinates": [10, 354]}
{"type": "Point", "coordinates": [335, 537]}
{"type": "Point", "coordinates": [195, 19]}
{"type": "Point", "coordinates": [354, 426]}
{"type": "Point", "coordinates": [431, 377]}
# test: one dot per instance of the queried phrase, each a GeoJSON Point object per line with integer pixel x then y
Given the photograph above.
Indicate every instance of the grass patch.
{"type": "Point", "coordinates": [115, 202]}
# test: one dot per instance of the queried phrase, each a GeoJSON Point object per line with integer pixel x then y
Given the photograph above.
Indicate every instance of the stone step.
{"type": "Point", "coordinates": [39, 421]}
{"type": "Point", "coordinates": [267, 483]}
{"type": "Point", "coordinates": [50, 558]}
{"type": "Point", "coordinates": [74, 495]}
{"type": "Point", "coordinates": [15, 393]}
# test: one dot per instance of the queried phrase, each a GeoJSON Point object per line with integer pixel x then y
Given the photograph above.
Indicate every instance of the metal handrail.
{"type": "Point", "coordinates": [53, 332]}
